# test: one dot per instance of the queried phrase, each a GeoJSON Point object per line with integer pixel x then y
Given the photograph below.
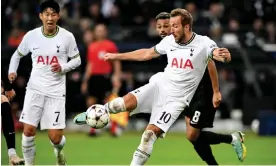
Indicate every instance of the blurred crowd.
{"type": "Point", "coordinates": [133, 19]}
{"type": "Point", "coordinates": [240, 23]}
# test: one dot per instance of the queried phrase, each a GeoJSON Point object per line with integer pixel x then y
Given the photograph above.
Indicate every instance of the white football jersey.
{"type": "Point", "coordinates": [186, 65]}
{"type": "Point", "coordinates": [45, 51]}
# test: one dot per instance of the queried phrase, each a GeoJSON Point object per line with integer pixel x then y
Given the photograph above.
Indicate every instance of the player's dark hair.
{"type": "Point", "coordinates": [186, 17]}
{"type": "Point", "coordinates": [162, 15]}
{"type": "Point", "coordinates": [49, 4]}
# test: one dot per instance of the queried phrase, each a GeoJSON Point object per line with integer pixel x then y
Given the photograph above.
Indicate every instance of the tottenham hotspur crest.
{"type": "Point", "coordinates": [192, 50]}
{"type": "Point", "coordinates": [58, 48]}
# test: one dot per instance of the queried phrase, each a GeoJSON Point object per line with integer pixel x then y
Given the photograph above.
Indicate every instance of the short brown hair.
{"type": "Point", "coordinates": [162, 15]}
{"type": "Point", "coordinates": [186, 17]}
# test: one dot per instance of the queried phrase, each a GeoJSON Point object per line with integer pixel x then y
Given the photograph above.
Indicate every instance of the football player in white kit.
{"type": "Point", "coordinates": [202, 108]}
{"type": "Point", "coordinates": [169, 92]}
{"type": "Point", "coordinates": [50, 47]}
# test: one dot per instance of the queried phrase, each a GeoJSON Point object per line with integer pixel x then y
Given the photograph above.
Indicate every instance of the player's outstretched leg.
{"type": "Point", "coordinates": [8, 130]}
{"type": "Point", "coordinates": [28, 144]}
{"type": "Point", "coordinates": [58, 140]}
{"type": "Point", "coordinates": [144, 150]}
{"type": "Point", "coordinates": [117, 105]}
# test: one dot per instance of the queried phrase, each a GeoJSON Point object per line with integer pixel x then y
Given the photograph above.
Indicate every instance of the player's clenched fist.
{"type": "Point", "coordinates": [110, 56]}
{"type": "Point", "coordinates": [222, 54]}
{"type": "Point", "coordinates": [56, 68]}
{"type": "Point", "coordinates": [12, 77]}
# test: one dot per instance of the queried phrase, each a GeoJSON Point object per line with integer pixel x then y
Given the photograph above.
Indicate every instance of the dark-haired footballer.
{"type": "Point", "coordinates": [50, 47]}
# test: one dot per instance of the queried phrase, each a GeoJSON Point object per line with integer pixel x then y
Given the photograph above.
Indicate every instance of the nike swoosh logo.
{"type": "Point", "coordinates": [159, 122]}
{"type": "Point", "coordinates": [173, 49]}
{"type": "Point", "coordinates": [55, 124]}
{"type": "Point", "coordinates": [35, 48]}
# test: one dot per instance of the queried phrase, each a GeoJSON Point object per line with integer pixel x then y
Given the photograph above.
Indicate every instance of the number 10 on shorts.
{"type": "Point", "coordinates": [165, 117]}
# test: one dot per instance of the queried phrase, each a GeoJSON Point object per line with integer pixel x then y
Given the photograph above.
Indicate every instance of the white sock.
{"type": "Point", "coordinates": [115, 106]}
{"type": "Point", "coordinates": [58, 147]}
{"type": "Point", "coordinates": [234, 138]}
{"type": "Point", "coordinates": [28, 149]}
{"type": "Point", "coordinates": [11, 152]}
{"type": "Point", "coordinates": [144, 150]}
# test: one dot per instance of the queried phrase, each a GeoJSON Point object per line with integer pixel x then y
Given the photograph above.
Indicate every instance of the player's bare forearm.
{"type": "Point", "coordinates": [213, 75]}
{"type": "Point", "coordinates": [222, 55]}
{"type": "Point", "coordinates": [138, 55]}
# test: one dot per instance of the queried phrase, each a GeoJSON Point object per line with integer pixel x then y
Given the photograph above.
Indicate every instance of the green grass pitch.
{"type": "Point", "coordinates": [173, 150]}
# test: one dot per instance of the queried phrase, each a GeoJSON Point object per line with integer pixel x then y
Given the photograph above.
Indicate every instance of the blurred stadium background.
{"type": "Point", "coordinates": [248, 83]}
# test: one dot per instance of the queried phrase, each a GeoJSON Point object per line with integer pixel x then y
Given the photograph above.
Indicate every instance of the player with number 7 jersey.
{"type": "Point", "coordinates": [50, 46]}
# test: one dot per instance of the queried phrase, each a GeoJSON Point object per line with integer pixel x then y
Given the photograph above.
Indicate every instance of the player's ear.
{"type": "Point", "coordinates": [58, 16]}
{"type": "Point", "coordinates": [186, 27]}
{"type": "Point", "coordinates": [40, 16]}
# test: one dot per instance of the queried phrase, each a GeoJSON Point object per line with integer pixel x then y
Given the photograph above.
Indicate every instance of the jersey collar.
{"type": "Point", "coordinates": [50, 36]}
{"type": "Point", "coordinates": [189, 41]}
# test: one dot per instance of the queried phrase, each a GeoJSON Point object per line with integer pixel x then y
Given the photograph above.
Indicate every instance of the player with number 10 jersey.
{"type": "Point", "coordinates": [169, 92]}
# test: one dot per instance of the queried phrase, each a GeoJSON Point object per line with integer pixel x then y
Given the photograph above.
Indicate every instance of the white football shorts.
{"type": "Point", "coordinates": [50, 112]}
{"type": "Point", "coordinates": [164, 109]}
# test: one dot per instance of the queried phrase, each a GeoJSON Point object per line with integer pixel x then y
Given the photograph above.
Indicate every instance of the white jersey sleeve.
{"type": "Point", "coordinates": [23, 48]}
{"type": "Point", "coordinates": [73, 50]}
{"type": "Point", "coordinates": [73, 54]}
{"type": "Point", "coordinates": [162, 47]}
{"type": "Point", "coordinates": [210, 46]}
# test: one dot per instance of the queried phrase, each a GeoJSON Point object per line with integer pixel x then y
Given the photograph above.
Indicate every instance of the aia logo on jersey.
{"type": "Point", "coordinates": [47, 60]}
{"type": "Point", "coordinates": [182, 63]}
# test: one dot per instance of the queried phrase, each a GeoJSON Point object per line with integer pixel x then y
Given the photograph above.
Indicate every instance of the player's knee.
{"type": "Point", "coordinates": [4, 99]}
{"type": "Point", "coordinates": [192, 135]}
{"type": "Point", "coordinates": [156, 130]}
{"type": "Point", "coordinates": [55, 137]}
{"type": "Point", "coordinates": [29, 131]}
{"type": "Point", "coordinates": [148, 137]}
{"type": "Point", "coordinates": [130, 102]}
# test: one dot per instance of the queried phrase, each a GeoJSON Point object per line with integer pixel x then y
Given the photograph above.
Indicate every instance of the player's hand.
{"type": "Point", "coordinates": [56, 68]}
{"type": "Point", "coordinates": [10, 94]}
{"type": "Point", "coordinates": [110, 56]}
{"type": "Point", "coordinates": [216, 99]}
{"type": "Point", "coordinates": [12, 77]}
{"type": "Point", "coordinates": [222, 54]}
